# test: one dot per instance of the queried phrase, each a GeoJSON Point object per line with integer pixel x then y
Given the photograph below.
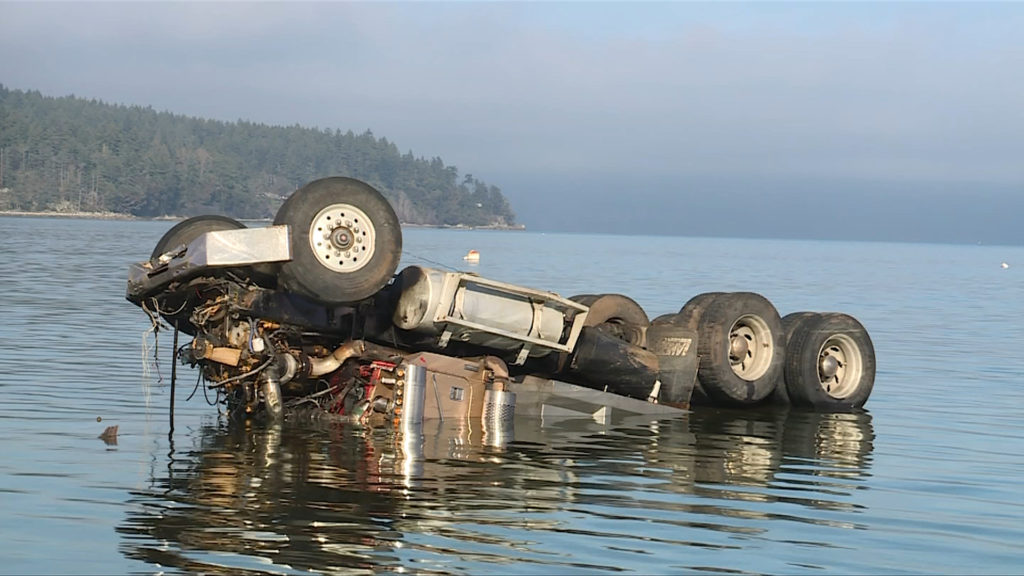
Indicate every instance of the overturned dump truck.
{"type": "Point", "coordinates": [309, 313]}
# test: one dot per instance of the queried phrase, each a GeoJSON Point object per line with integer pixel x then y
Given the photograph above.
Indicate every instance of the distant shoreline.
{"type": "Point", "coordinates": [80, 215]}
{"type": "Point", "coordinates": [516, 228]}
{"type": "Point", "coordinates": [120, 216]}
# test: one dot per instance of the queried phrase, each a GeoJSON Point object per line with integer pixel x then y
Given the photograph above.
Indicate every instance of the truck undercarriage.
{"type": "Point", "coordinates": [309, 314]}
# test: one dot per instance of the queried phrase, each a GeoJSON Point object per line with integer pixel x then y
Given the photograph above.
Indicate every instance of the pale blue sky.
{"type": "Point", "coordinates": [528, 94]}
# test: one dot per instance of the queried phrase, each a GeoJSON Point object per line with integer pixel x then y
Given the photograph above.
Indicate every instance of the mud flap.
{"type": "Point", "coordinates": [676, 348]}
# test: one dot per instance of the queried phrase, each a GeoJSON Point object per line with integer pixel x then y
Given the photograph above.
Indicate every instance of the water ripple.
{"type": "Point", "coordinates": [926, 482]}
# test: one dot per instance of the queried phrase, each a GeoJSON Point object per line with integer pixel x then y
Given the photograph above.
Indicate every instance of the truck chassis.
{"type": "Point", "coordinates": [309, 315]}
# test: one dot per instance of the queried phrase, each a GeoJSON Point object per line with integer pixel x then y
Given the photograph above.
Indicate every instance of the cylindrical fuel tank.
{"type": "Point", "coordinates": [421, 295]}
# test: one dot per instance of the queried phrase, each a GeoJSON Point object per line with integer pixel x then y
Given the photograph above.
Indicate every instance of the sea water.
{"type": "Point", "coordinates": [926, 480]}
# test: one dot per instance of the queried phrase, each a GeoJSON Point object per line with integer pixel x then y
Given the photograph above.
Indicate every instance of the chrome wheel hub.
{"type": "Point", "coordinates": [751, 347]}
{"type": "Point", "coordinates": [840, 366]}
{"type": "Point", "coordinates": [342, 238]}
{"type": "Point", "coordinates": [738, 348]}
{"type": "Point", "coordinates": [828, 366]}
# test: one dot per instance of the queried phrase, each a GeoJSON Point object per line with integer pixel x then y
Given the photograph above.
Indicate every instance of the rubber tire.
{"type": "Point", "coordinates": [617, 315]}
{"type": "Point", "coordinates": [717, 377]}
{"type": "Point", "coordinates": [805, 344]}
{"type": "Point", "coordinates": [689, 315]}
{"type": "Point", "coordinates": [305, 275]}
{"type": "Point", "coordinates": [670, 318]}
{"type": "Point", "coordinates": [789, 324]}
{"type": "Point", "coordinates": [186, 231]}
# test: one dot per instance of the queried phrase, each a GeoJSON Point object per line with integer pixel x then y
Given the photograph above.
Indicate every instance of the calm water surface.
{"type": "Point", "coordinates": [926, 481]}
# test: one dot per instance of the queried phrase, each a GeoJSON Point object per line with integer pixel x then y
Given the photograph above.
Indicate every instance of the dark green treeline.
{"type": "Point", "coordinates": [71, 154]}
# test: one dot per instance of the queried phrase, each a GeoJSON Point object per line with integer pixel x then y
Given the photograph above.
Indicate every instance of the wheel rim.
{"type": "Point", "coordinates": [751, 347]}
{"type": "Point", "coordinates": [839, 366]}
{"type": "Point", "coordinates": [342, 237]}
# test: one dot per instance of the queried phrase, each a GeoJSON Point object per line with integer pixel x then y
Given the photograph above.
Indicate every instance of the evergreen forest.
{"type": "Point", "coordinates": [71, 154]}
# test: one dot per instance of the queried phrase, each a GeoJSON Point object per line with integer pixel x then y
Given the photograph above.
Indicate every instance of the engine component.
{"type": "Point", "coordinates": [330, 363]}
{"type": "Point", "coordinates": [270, 390]}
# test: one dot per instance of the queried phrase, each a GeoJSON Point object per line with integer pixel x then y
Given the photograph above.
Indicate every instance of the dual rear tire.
{"type": "Point", "coordinates": [830, 362]}
{"type": "Point", "coordinates": [741, 346]}
{"type": "Point", "coordinates": [748, 354]}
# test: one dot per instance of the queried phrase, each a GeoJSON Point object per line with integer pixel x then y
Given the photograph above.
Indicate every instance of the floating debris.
{"type": "Point", "coordinates": [1004, 265]}
{"type": "Point", "coordinates": [109, 436]}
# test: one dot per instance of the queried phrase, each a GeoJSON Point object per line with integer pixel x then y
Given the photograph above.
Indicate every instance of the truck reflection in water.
{"type": "Point", "coordinates": [314, 494]}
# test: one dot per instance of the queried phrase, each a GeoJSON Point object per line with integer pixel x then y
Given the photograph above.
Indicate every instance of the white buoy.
{"type": "Point", "coordinates": [472, 256]}
{"type": "Point", "coordinates": [1005, 265]}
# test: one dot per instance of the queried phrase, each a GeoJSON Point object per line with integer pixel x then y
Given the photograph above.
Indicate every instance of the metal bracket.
{"type": "Point", "coordinates": [523, 353]}
{"type": "Point", "coordinates": [220, 249]}
{"type": "Point", "coordinates": [449, 312]}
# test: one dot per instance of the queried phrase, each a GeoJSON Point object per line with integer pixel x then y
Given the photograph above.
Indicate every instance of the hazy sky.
{"type": "Point", "coordinates": [632, 116]}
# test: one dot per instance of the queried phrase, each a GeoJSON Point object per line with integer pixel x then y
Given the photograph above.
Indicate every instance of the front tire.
{"type": "Point", "coordinates": [346, 241]}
